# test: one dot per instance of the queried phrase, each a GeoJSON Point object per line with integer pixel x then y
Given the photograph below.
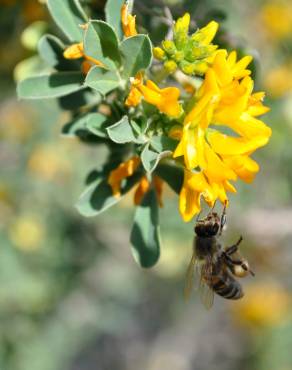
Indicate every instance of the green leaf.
{"type": "Point", "coordinates": [136, 54]}
{"type": "Point", "coordinates": [102, 80]}
{"type": "Point", "coordinates": [122, 132]}
{"type": "Point", "coordinates": [68, 15]}
{"type": "Point", "coordinates": [145, 237]}
{"type": "Point", "coordinates": [99, 197]}
{"type": "Point", "coordinates": [163, 143]}
{"type": "Point", "coordinates": [172, 175]}
{"type": "Point", "coordinates": [76, 126]}
{"type": "Point", "coordinates": [79, 99]}
{"type": "Point", "coordinates": [96, 124]}
{"type": "Point", "coordinates": [28, 67]}
{"type": "Point", "coordinates": [101, 43]}
{"type": "Point", "coordinates": [113, 15]}
{"type": "Point", "coordinates": [51, 50]}
{"type": "Point", "coordinates": [150, 159]}
{"type": "Point", "coordinates": [50, 86]}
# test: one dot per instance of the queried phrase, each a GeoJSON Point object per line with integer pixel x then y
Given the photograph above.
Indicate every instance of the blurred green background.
{"type": "Point", "coordinates": [71, 295]}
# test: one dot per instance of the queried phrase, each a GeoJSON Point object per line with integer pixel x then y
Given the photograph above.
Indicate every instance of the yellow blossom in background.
{"type": "Point", "coordinates": [27, 233]}
{"type": "Point", "coordinates": [278, 81]}
{"type": "Point", "coordinates": [224, 99]}
{"type": "Point", "coordinates": [46, 163]}
{"type": "Point", "coordinates": [16, 122]}
{"type": "Point", "coordinates": [277, 19]}
{"type": "Point", "coordinates": [128, 22]}
{"type": "Point", "coordinates": [263, 305]}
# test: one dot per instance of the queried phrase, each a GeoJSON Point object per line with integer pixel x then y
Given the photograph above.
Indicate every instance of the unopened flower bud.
{"type": "Point", "coordinates": [159, 53]}
{"type": "Point", "coordinates": [169, 47]}
{"type": "Point", "coordinates": [170, 66]}
{"type": "Point", "coordinates": [182, 24]}
{"type": "Point", "coordinates": [187, 68]}
{"type": "Point", "coordinates": [179, 56]}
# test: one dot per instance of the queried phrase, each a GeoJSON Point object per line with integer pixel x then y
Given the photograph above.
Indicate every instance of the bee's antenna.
{"type": "Point", "coordinates": [223, 218]}
{"type": "Point", "coordinates": [212, 209]}
{"type": "Point", "coordinates": [198, 215]}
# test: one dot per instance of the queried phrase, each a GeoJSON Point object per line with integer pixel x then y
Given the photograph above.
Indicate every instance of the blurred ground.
{"type": "Point", "coordinates": [71, 296]}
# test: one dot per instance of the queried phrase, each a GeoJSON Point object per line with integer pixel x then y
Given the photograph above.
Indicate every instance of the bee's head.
{"type": "Point", "coordinates": [209, 226]}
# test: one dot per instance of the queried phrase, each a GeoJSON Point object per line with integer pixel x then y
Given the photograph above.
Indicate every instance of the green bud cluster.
{"type": "Point", "coordinates": [190, 53]}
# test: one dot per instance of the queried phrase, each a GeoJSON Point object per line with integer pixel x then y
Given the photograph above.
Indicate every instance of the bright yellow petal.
{"type": "Point", "coordinates": [74, 51]}
{"type": "Point", "coordinates": [189, 198]}
{"type": "Point", "coordinates": [124, 170]}
{"type": "Point", "coordinates": [231, 60]}
{"type": "Point", "coordinates": [250, 127]}
{"type": "Point", "coordinates": [158, 186]}
{"type": "Point", "coordinates": [134, 98]}
{"type": "Point", "coordinates": [190, 151]}
{"type": "Point", "coordinates": [208, 32]}
{"type": "Point", "coordinates": [216, 170]}
{"type": "Point", "coordinates": [221, 68]}
{"type": "Point", "coordinates": [128, 22]}
{"type": "Point", "coordinates": [227, 145]}
{"type": "Point", "coordinates": [239, 70]}
{"type": "Point", "coordinates": [245, 167]}
{"type": "Point", "coordinates": [179, 151]}
{"type": "Point", "coordinates": [141, 190]}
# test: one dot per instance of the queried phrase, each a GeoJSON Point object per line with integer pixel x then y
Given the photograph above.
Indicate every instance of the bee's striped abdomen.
{"type": "Point", "coordinates": [227, 287]}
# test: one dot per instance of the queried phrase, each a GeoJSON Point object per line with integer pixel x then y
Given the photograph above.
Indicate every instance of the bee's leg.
{"type": "Point", "coordinates": [223, 218]}
{"type": "Point", "coordinates": [233, 248]}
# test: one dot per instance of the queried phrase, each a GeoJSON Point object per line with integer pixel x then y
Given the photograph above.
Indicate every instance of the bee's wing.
{"type": "Point", "coordinates": [190, 276]}
{"type": "Point", "coordinates": [206, 293]}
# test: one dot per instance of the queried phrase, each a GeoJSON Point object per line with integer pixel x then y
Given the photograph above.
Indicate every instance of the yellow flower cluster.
{"type": "Point", "coordinates": [224, 99]}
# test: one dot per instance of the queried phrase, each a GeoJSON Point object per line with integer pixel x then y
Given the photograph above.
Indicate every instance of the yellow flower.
{"type": "Point", "coordinates": [128, 22]}
{"type": "Point", "coordinates": [195, 185]}
{"type": "Point", "coordinates": [183, 24]}
{"type": "Point", "coordinates": [144, 185]}
{"type": "Point", "coordinates": [278, 81]}
{"type": "Point", "coordinates": [27, 233]}
{"type": "Point", "coordinates": [46, 163]}
{"type": "Point", "coordinates": [277, 19]}
{"type": "Point", "coordinates": [135, 96]}
{"type": "Point", "coordinates": [224, 99]}
{"type": "Point", "coordinates": [264, 305]}
{"type": "Point", "coordinates": [124, 170]}
{"type": "Point", "coordinates": [166, 100]}
{"type": "Point", "coordinates": [76, 51]}
{"type": "Point", "coordinates": [127, 169]}
{"type": "Point", "coordinates": [206, 34]}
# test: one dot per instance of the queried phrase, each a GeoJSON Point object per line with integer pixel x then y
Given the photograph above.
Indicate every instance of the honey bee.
{"type": "Point", "coordinates": [215, 267]}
